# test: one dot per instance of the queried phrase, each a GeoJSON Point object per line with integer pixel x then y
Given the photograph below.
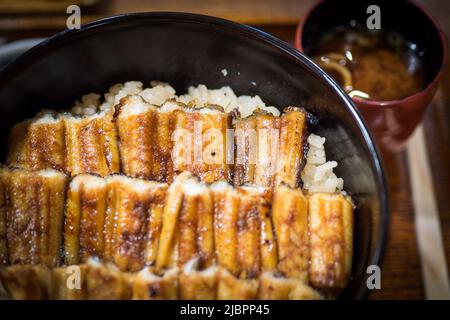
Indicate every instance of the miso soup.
{"type": "Point", "coordinates": [375, 65]}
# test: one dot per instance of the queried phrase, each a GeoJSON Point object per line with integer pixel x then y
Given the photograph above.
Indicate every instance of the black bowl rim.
{"type": "Point", "coordinates": [376, 164]}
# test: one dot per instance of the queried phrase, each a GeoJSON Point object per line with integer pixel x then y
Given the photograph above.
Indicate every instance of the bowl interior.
{"type": "Point", "coordinates": [401, 16]}
{"type": "Point", "coordinates": [185, 49]}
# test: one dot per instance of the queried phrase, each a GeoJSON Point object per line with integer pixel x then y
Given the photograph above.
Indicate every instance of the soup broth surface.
{"type": "Point", "coordinates": [375, 65]}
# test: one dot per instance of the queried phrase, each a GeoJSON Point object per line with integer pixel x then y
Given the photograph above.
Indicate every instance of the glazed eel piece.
{"type": "Point", "coordinates": [67, 143]}
{"type": "Point", "coordinates": [158, 143]}
{"type": "Point", "coordinates": [31, 216]}
{"type": "Point", "coordinates": [270, 149]}
{"type": "Point", "coordinates": [98, 281]}
{"type": "Point", "coordinates": [136, 223]}
{"type": "Point", "coordinates": [115, 218]}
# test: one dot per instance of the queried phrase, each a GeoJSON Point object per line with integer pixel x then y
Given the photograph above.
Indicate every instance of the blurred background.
{"type": "Point", "coordinates": [414, 268]}
{"type": "Point", "coordinates": [38, 17]}
{"type": "Point", "coordinates": [47, 16]}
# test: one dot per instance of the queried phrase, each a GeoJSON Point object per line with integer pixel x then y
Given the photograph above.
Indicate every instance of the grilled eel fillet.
{"type": "Point", "coordinates": [187, 229]}
{"type": "Point", "coordinates": [146, 285]}
{"type": "Point", "coordinates": [135, 223]}
{"type": "Point", "coordinates": [67, 143]}
{"type": "Point", "coordinates": [38, 143]}
{"type": "Point", "coordinates": [26, 282]}
{"type": "Point", "coordinates": [218, 283]}
{"type": "Point", "coordinates": [91, 144]}
{"type": "Point", "coordinates": [232, 226]}
{"type": "Point", "coordinates": [114, 218]}
{"type": "Point", "coordinates": [198, 284]}
{"type": "Point", "coordinates": [331, 242]}
{"type": "Point", "coordinates": [269, 149]}
{"type": "Point", "coordinates": [273, 287]}
{"type": "Point", "coordinates": [159, 143]}
{"type": "Point", "coordinates": [244, 241]}
{"type": "Point", "coordinates": [96, 281]}
{"type": "Point", "coordinates": [90, 281]}
{"type": "Point", "coordinates": [31, 214]}
{"type": "Point", "coordinates": [290, 220]}
{"type": "Point", "coordinates": [131, 223]}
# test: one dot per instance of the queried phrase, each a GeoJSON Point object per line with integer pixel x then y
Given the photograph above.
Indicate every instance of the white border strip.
{"type": "Point", "coordinates": [427, 221]}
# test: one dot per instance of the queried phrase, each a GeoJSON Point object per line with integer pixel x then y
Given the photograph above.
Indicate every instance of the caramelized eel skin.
{"type": "Point", "coordinates": [290, 219]}
{"type": "Point", "coordinates": [230, 287]}
{"type": "Point", "coordinates": [95, 281]}
{"type": "Point", "coordinates": [26, 282]}
{"type": "Point", "coordinates": [331, 228]}
{"type": "Point", "coordinates": [162, 167]}
{"type": "Point", "coordinates": [208, 147]}
{"type": "Point", "coordinates": [33, 213]}
{"type": "Point", "coordinates": [136, 223]}
{"type": "Point", "coordinates": [106, 284]}
{"type": "Point", "coordinates": [291, 157]}
{"type": "Point", "coordinates": [138, 217]}
{"type": "Point", "coordinates": [270, 150]}
{"type": "Point", "coordinates": [198, 285]}
{"type": "Point", "coordinates": [91, 145]}
{"type": "Point", "coordinates": [248, 235]}
{"type": "Point", "coordinates": [147, 142]}
{"type": "Point", "coordinates": [117, 219]}
{"type": "Point", "coordinates": [187, 230]}
{"type": "Point", "coordinates": [35, 145]}
{"type": "Point", "coordinates": [65, 285]}
{"type": "Point", "coordinates": [91, 281]}
{"type": "Point", "coordinates": [246, 151]}
{"type": "Point", "coordinates": [196, 238]}
{"type": "Point", "coordinates": [245, 243]}
{"type": "Point", "coordinates": [167, 249]}
{"type": "Point", "coordinates": [257, 145]}
{"type": "Point", "coordinates": [155, 287]}
{"type": "Point", "coordinates": [226, 214]}
{"type": "Point", "coordinates": [272, 287]}
{"type": "Point", "coordinates": [200, 143]}
{"type": "Point", "coordinates": [268, 129]}
{"type": "Point", "coordinates": [269, 252]}
{"type": "Point", "coordinates": [18, 153]}
{"type": "Point", "coordinates": [66, 143]}
{"type": "Point", "coordinates": [85, 218]}
{"type": "Point", "coordinates": [262, 242]}
{"type": "Point", "coordinates": [135, 134]}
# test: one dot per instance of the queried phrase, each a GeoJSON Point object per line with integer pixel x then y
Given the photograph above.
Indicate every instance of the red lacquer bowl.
{"type": "Point", "coordinates": [392, 122]}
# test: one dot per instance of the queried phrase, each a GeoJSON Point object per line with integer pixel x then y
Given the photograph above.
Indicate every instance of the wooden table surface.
{"type": "Point", "coordinates": [401, 270]}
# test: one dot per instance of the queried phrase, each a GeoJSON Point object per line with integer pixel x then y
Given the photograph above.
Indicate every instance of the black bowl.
{"type": "Point", "coordinates": [186, 49]}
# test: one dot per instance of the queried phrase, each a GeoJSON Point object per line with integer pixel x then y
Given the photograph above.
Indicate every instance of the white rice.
{"type": "Point", "coordinates": [90, 103]}
{"type": "Point", "coordinates": [159, 92]}
{"type": "Point", "coordinates": [318, 175]}
{"type": "Point", "coordinates": [225, 97]}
